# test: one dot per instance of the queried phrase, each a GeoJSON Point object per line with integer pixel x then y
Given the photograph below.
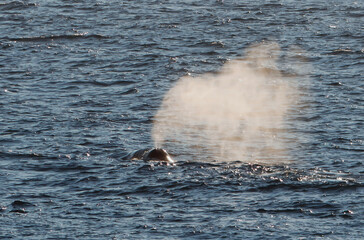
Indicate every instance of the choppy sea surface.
{"type": "Point", "coordinates": [81, 82]}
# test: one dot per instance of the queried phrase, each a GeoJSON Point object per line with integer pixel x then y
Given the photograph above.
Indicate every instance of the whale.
{"type": "Point", "coordinates": [147, 154]}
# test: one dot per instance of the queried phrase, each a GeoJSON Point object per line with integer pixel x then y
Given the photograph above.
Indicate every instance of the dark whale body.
{"type": "Point", "coordinates": [154, 154]}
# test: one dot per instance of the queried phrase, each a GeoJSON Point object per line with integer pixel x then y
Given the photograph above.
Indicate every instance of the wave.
{"type": "Point", "coordinates": [104, 84]}
{"type": "Point", "coordinates": [57, 37]}
{"type": "Point", "coordinates": [15, 5]}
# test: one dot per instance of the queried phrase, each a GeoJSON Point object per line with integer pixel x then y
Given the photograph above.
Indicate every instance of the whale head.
{"type": "Point", "coordinates": [158, 154]}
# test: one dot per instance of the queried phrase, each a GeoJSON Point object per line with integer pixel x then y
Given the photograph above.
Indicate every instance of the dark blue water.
{"type": "Point", "coordinates": [80, 83]}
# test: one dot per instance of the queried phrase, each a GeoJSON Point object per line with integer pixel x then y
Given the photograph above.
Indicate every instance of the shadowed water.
{"type": "Point", "coordinates": [82, 84]}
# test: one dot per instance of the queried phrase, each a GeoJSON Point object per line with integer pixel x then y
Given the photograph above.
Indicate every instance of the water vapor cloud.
{"type": "Point", "coordinates": [236, 114]}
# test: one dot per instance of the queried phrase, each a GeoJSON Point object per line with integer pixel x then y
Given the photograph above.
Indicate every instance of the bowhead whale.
{"type": "Point", "coordinates": [154, 154]}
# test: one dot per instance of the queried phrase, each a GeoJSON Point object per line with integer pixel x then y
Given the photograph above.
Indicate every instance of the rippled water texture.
{"type": "Point", "coordinates": [82, 83]}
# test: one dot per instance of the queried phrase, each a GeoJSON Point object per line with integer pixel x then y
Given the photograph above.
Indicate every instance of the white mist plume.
{"type": "Point", "coordinates": [236, 114]}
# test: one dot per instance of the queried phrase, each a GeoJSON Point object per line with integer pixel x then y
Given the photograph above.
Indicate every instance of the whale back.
{"type": "Point", "coordinates": [154, 154]}
{"type": "Point", "coordinates": [157, 154]}
{"type": "Point", "coordinates": [136, 155]}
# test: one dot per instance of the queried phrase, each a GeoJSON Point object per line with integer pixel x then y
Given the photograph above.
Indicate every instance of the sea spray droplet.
{"type": "Point", "coordinates": [236, 114]}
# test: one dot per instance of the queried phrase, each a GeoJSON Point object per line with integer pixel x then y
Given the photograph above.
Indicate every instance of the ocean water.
{"type": "Point", "coordinates": [82, 83]}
